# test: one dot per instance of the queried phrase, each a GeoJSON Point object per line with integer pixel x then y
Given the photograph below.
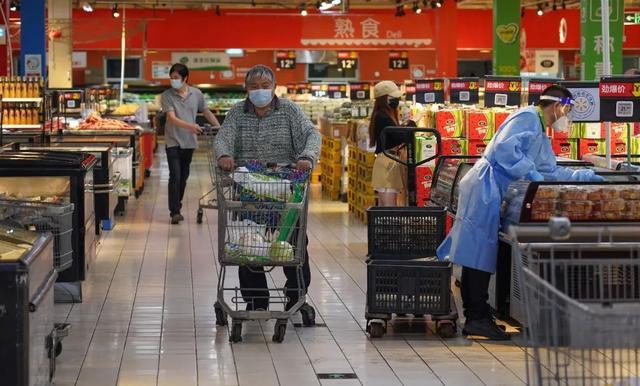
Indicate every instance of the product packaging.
{"type": "Point", "coordinates": [450, 123]}
{"type": "Point", "coordinates": [453, 146]}
{"type": "Point", "coordinates": [567, 148]}
{"type": "Point", "coordinates": [426, 147]}
{"type": "Point", "coordinates": [499, 116]}
{"type": "Point", "coordinates": [424, 177]}
{"type": "Point", "coordinates": [591, 146]}
{"type": "Point", "coordinates": [477, 147]}
{"type": "Point", "coordinates": [597, 130]}
{"type": "Point", "coordinates": [575, 132]}
{"type": "Point", "coordinates": [479, 124]}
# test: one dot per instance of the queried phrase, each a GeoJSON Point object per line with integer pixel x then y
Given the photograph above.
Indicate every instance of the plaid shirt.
{"type": "Point", "coordinates": [284, 135]}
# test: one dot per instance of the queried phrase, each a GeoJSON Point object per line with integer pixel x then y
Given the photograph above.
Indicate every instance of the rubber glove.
{"type": "Point", "coordinates": [535, 176]}
{"type": "Point", "coordinates": [597, 178]}
{"type": "Point", "coordinates": [586, 175]}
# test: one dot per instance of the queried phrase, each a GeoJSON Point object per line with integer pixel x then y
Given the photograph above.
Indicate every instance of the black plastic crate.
{"type": "Point", "coordinates": [405, 233]}
{"type": "Point", "coordinates": [409, 287]}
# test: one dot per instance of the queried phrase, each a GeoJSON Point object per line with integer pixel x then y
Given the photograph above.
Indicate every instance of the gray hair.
{"type": "Point", "coordinates": [260, 71]}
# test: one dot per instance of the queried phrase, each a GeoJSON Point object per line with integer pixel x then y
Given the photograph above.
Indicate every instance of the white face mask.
{"type": "Point", "coordinates": [562, 124]}
{"type": "Point", "coordinates": [176, 83]}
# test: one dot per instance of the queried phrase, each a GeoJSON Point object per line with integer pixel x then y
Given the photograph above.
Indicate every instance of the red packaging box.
{"type": "Point", "coordinates": [619, 147]}
{"type": "Point", "coordinates": [453, 146]}
{"type": "Point", "coordinates": [591, 146]}
{"type": "Point", "coordinates": [567, 148]}
{"type": "Point", "coordinates": [597, 130]}
{"type": "Point", "coordinates": [499, 117]}
{"type": "Point", "coordinates": [479, 124]}
{"type": "Point", "coordinates": [424, 178]}
{"type": "Point", "coordinates": [449, 123]}
{"type": "Point", "coordinates": [476, 147]}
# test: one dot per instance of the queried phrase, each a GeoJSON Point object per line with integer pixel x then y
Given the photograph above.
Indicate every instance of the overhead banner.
{"type": "Point", "coordinates": [502, 91]}
{"type": "Point", "coordinates": [506, 37]}
{"type": "Point", "coordinates": [429, 91]}
{"type": "Point", "coordinates": [592, 67]}
{"type": "Point", "coordinates": [203, 61]}
{"type": "Point", "coordinates": [587, 101]}
{"type": "Point", "coordinates": [464, 90]}
{"type": "Point", "coordinates": [620, 99]}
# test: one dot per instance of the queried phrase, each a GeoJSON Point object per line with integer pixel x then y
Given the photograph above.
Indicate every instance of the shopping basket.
{"type": "Point", "coordinates": [55, 217]}
{"type": "Point", "coordinates": [208, 200]}
{"type": "Point", "coordinates": [582, 308]}
{"type": "Point", "coordinates": [262, 219]}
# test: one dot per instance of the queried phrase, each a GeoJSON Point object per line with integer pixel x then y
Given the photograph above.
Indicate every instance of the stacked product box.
{"type": "Point", "coordinates": [331, 165]}
{"type": "Point", "coordinates": [589, 138]}
{"type": "Point", "coordinates": [361, 195]}
{"type": "Point", "coordinates": [426, 147]}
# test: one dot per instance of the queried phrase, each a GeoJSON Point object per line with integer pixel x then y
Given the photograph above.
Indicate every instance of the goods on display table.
{"type": "Point", "coordinates": [95, 122]}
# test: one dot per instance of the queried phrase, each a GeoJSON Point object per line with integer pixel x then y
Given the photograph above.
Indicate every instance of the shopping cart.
{"type": "Point", "coordinates": [582, 303]}
{"type": "Point", "coordinates": [208, 200]}
{"type": "Point", "coordinates": [17, 215]}
{"type": "Point", "coordinates": [262, 219]}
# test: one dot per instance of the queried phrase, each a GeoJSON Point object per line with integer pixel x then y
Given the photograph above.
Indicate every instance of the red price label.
{"type": "Point", "coordinates": [624, 90]}
{"type": "Point", "coordinates": [538, 87]}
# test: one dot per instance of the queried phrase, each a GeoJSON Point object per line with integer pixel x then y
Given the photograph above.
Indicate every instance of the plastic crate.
{"type": "Point", "coordinates": [404, 233]}
{"type": "Point", "coordinates": [410, 287]}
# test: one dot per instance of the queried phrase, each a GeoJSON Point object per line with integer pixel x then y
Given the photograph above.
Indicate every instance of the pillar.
{"type": "Point", "coordinates": [446, 40]}
{"type": "Point", "coordinates": [506, 37]}
{"type": "Point", "coordinates": [592, 44]}
{"type": "Point", "coordinates": [4, 42]}
{"type": "Point", "coordinates": [60, 63]}
{"type": "Point", "coordinates": [32, 38]}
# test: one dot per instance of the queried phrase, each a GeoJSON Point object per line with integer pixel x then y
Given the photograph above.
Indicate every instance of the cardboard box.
{"type": "Point", "coordinates": [591, 146]}
{"type": "Point", "coordinates": [499, 116]}
{"type": "Point", "coordinates": [479, 124]}
{"type": "Point", "coordinates": [575, 132]}
{"type": "Point", "coordinates": [597, 130]}
{"type": "Point", "coordinates": [476, 147]}
{"type": "Point", "coordinates": [619, 147]}
{"type": "Point", "coordinates": [567, 148]}
{"type": "Point", "coordinates": [453, 146]}
{"type": "Point", "coordinates": [424, 178]}
{"type": "Point", "coordinates": [426, 147]}
{"type": "Point", "coordinates": [450, 123]}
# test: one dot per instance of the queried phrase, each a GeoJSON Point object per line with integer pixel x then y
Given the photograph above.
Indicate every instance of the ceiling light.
{"type": "Point", "coordinates": [14, 6]}
{"type": "Point", "coordinates": [87, 7]}
{"type": "Point", "coordinates": [303, 9]}
{"type": "Point", "coordinates": [114, 11]}
{"type": "Point", "coordinates": [540, 11]}
{"type": "Point", "coordinates": [416, 8]}
{"type": "Point", "coordinates": [400, 11]}
{"type": "Point", "coordinates": [336, 2]}
{"type": "Point", "coordinates": [439, 3]}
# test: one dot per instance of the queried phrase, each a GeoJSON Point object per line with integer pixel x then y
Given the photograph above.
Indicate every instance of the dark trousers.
{"type": "Point", "coordinates": [179, 162]}
{"type": "Point", "coordinates": [256, 279]}
{"type": "Point", "coordinates": [475, 293]}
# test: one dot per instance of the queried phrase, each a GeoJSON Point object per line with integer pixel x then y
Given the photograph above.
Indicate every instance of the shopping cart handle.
{"type": "Point", "coordinates": [409, 135]}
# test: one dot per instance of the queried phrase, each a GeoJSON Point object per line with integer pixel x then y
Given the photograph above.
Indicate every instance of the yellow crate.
{"type": "Point", "coordinates": [332, 169]}
{"type": "Point", "coordinates": [352, 208]}
{"type": "Point", "coordinates": [352, 167]}
{"type": "Point", "coordinates": [315, 178]}
{"type": "Point", "coordinates": [351, 197]}
{"type": "Point", "coordinates": [364, 173]}
{"type": "Point", "coordinates": [365, 187]}
{"type": "Point", "coordinates": [352, 183]}
{"type": "Point", "coordinates": [353, 153]}
{"type": "Point", "coordinates": [368, 158]}
{"type": "Point", "coordinates": [366, 201]}
{"type": "Point", "coordinates": [329, 157]}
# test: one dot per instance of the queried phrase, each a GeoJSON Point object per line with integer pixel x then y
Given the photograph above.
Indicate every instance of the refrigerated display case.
{"type": "Point", "coordinates": [28, 340]}
{"type": "Point", "coordinates": [63, 176]}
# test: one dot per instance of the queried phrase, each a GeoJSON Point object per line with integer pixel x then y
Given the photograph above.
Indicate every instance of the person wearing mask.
{"type": "Point", "coordinates": [388, 175]}
{"type": "Point", "coordinates": [521, 149]}
{"type": "Point", "coordinates": [181, 104]}
{"type": "Point", "coordinates": [266, 128]}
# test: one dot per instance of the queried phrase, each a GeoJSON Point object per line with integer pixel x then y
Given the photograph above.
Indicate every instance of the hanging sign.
{"type": "Point", "coordinates": [72, 99]}
{"type": "Point", "coordinates": [620, 99]}
{"type": "Point", "coordinates": [33, 64]}
{"type": "Point", "coordinates": [360, 91]}
{"type": "Point", "coordinates": [337, 91]}
{"type": "Point", "coordinates": [203, 61]}
{"type": "Point", "coordinates": [547, 62]}
{"type": "Point", "coordinates": [320, 90]}
{"type": "Point", "coordinates": [587, 101]}
{"type": "Point", "coordinates": [79, 59]}
{"type": "Point", "coordinates": [464, 90]}
{"type": "Point", "coordinates": [398, 60]}
{"type": "Point", "coordinates": [536, 87]}
{"type": "Point", "coordinates": [286, 60]}
{"type": "Point", "coordinates": [502, 91]}
{"type": "Point", "coordinates": [430, 91]}
{"type": "Point", "coordinates": [160, 70]}
{"type": "Point", "coordinates": [347, 60]}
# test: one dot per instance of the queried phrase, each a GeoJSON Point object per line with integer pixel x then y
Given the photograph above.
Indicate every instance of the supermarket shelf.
{"type": "Point", "coordinates": [9, 127]}
{"type": "Point", "coordinates": [22, 100]}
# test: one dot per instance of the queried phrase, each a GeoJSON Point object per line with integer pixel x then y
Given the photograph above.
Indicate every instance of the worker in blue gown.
{"type": "Point", "coordinates": [520, 149]}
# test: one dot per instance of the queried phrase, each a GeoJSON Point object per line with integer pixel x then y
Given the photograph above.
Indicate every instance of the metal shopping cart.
{"type": "Point", "coordinates": [262, 219]}
{"type": "Point", "coordinates": [209, 199]}
{"type": "Point", "coordinates": [582, 302]}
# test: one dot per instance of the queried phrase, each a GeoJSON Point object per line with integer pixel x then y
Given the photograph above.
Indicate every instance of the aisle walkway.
{"type": "Point", "coordinates": [147, 316]}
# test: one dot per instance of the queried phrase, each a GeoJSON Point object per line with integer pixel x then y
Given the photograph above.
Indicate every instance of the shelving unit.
{"type": "Point", "coordinates": [27, 107]}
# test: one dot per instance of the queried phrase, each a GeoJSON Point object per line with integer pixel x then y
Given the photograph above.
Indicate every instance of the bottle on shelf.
{"type": "Point", "coordinates": [23, 88]}
{"type": "Point", "coordinates": [30, 89]}
{"type": "Point", "coordinates": [35, 116]}
{"type": "Point", "coordinates": [23, 115]}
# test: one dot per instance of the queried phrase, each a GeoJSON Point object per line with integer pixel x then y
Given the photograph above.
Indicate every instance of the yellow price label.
{"type": "Point", "coordinates": [636, 90]}
{"type": "Point", "coordinates": [514, 86]}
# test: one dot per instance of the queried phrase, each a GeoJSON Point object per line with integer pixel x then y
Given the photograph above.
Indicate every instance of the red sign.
{"type": "Point", "coordinates": [623, 90]}
{"type": "Point", "coordinates": [502, 85]}
{"type": "Point", "coordinates": [410, 88]}
{"type": "Point", "coordinates": [463, 85]}
{"type": "Point", "coordinates": [429, 85]}
{"type": "Point", "coordinates": [359, 86]}
{"type": "Point", "coordinates": [538, 87]}
{"type": "Point", "coordinates": [398, 54]}
{"type": "Point", "coordinates": [285, 54]}
{"type": "Point", "coordinates": [347, 55]}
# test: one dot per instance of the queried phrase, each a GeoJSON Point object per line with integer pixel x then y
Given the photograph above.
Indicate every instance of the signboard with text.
{"type": "Point", "coordinates": [348, 60]}
{"type": "Point", "coordinates": [360, 91]}
{"type": "Point", "coordinates": [398, 60]}
{"type": "Point", "coordinates": [502, 91]}
{"type": "Point", "coordinates": [593, 44]}
{"type": "Point", "coordinates": [286, 60]}
{"type": "Point", "coordinates": [429, 91]}
{"type": "Point", "coordinates": [202, 61]}
{"type": "Point", "coordinates": [409, 91]}
{"type": "Point", "coordinates": [337, 91]}
{"type": "Point", "coordinates": [536, 87]}
{"type": "Point", "coordinates": [464, 90]}
{"type": "Point", "coordinates": [620, 99]}
{"type": "Point", "coordinates": [587, 101]}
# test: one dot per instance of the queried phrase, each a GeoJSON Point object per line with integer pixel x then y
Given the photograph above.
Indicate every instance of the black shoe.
{"type": "Point", "coordinates": [485, 328]}
{"type": "Point", "coordinates": [180, 217]}
{"type": "Point", "coordinates": [175, 219]}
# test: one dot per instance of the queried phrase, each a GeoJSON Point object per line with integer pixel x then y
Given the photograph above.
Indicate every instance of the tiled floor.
{"type": "Point", "coordinates": [147, 316]}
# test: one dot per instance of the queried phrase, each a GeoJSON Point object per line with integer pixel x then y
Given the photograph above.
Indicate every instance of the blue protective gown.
{"type": "Point", "coordinates": [520, 147]}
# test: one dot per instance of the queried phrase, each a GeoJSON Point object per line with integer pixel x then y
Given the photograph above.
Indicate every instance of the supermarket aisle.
{"type": "Point", "coordinates": [148, 319]}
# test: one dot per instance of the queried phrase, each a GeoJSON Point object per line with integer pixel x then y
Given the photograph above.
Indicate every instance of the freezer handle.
{"type": "Point", "coordinates": [42, 291]}
{"type": "Point", "coordinates": [107, 188]}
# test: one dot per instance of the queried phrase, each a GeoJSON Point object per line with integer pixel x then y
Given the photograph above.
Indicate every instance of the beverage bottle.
{"type": "Point", "coordinates": [23, 115]}
{"type": "Point", "coordinates": [17, 92]}
{"type": "Point", "coordinates": [23, 88]}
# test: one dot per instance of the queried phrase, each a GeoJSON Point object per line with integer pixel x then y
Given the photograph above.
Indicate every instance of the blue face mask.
{"type": "Point", "coordinates": [176, 83]}
{"type": "Point", "coordinates": [261, 98]}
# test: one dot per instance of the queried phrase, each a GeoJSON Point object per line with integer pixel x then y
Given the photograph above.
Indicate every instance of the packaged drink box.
{"type": "Point", "coordinates": [619, 147]}
{"type": "Point", "coordinates": [453, 146]}
{"type": "Point", "coordinates": [591, 146]}
{"type": "Point", "coordinates": [575, 132]}
{"type": "Point", "coordinates": [424, 178]}
{"type": "Point", "coordinates": [426, 147]}
{"type": "Point", "coordinates": [450, 123]}
{"type": "Point", "coordinates": [477, 147]}
{"type": "Point", "coordinates": [479, 124]}
{"type": "Point", "coordinates": [499, 116]}
{"type": "Point", "coordinates": [597, 130]}
{"type": "Point", "coordinates": [567, 148]}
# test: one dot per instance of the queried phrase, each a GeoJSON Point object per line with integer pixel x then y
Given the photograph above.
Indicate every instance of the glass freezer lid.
{"type": "Point", "coordinates": [11, 252]}
{"type": "Point", "coordinates": [14, 233]}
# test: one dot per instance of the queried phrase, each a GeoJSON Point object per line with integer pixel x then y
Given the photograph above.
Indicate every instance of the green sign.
{"type": "Point", "coordinates": [506, 37]}
{"type": "Point", "coordinates": [593, 44]}
{"type": "Point", "coordinates": [632, 18]}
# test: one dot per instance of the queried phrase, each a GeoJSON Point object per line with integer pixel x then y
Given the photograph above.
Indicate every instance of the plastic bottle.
{"type": "Point", "coordinates": [23, 116]}
{"type": "Point", "coordinates": [35, 116]}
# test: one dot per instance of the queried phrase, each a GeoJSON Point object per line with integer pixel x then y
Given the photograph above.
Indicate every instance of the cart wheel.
{"type": "Point", "coordinates": [446, 329]}
{"type": "Point", "coordinates": [199, 216]}
{"type": "Point", "coordinates": [376, 330]}
{"type": "Point", "coordinates": [236, 332]}
{"type": "Point", "coordinates": [308, 315]}
{"type": "Point", "coordinates": [58, 349]}
{"type": "Point", "coordinates": [280, 330]}
{"type": "Point", "coordinates": [221, 316]}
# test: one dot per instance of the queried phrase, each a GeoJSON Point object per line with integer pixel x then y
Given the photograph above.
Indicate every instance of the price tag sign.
{"type": "Point", "coordinates": [347, 60]}
{"type": "Point", "coordinates": [292, 89]}
{"type": "Point", "coordinates": [502, 91]}
{"type": "Point", "coordinates": [286, 60]}
{"type": "Point", "coordinates": [303, 88]}
{"type": "Point", "coordinates": [398, 60]}
{"type": "Point", "coordinates": [620, 99]}
{"type": "Point", "coordinates": [464, 90]}
{"type": "Point", "coordinates": [72, 99]}
{"type": "Point", "coordinates": [536, 87]}
{"type": "Point", "coordinates": [337, 91]}
{"type": "Point", "coordinates": [320, 90]}
{"type": "Point", "coordinates": [409, 91]}
{"type": "Point", "coordinates": [360, 91]}
{"type": "Point", "coordinates": [430, 91]}
{"type": "Point", "coordinates": [587, 101]}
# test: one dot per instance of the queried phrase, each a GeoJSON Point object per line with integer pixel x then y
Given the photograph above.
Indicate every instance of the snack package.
{"type": "Point", "coordinates": [597, 130]}
{"type": "Point", "coordinates": [479, 124]}
{"type": "Point", "coordinates": [426, 147]}
{"type": "Point", "coordinates": [477, 147]}
{"type": "Point", "coordinates": [454, 146]}
{"type": "Point", "coordinates": [449, 123]}
{"type": "Point", "coordinates": [567, 148]}
{"type": "Point", "coordinates": [262, 186]}
{"type": "Point", "coordinates": [424, 178]}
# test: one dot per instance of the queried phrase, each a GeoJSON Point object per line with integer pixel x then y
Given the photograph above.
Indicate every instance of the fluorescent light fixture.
{"type": "Point", "coordinates": [87, 7]}
{"type": "Point", "coordinates": [235, 52]}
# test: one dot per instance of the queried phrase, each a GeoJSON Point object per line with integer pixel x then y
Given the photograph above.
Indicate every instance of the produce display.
{"type": "Point", "coordinates": [126, 109]}
{"type": "Point", "coordinates": [95, 122]}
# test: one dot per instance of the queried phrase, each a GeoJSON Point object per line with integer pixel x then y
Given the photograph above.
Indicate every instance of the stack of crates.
{"type": "Point", "coordinates": [331, 166]}
{"type": "Point", "coordinates": [361, 194]}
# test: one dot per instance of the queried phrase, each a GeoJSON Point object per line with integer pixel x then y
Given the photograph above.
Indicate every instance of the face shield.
{"type": "Point", "coordinates": [565, 120]}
